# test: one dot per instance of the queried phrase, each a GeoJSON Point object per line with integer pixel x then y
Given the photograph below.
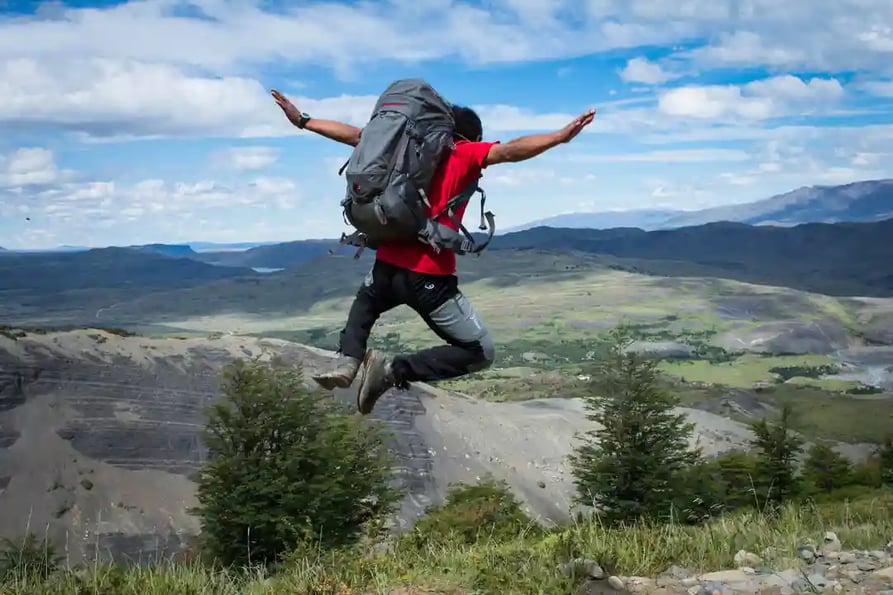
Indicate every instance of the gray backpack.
{"type": "Point", "coordinates": [389, 174]}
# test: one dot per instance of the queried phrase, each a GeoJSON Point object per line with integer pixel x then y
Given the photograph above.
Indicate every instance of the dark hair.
{"type": "Point", "coordinates": [468, 124]}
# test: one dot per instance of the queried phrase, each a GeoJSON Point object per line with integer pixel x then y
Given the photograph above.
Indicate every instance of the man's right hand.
{"type": "Point", "coordinates": [570, 131]}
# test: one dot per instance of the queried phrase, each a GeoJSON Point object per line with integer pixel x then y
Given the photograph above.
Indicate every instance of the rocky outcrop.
{"type": "Point", "coordinates": [823, 569]}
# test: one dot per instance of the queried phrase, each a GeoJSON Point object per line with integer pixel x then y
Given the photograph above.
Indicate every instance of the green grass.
{"type": "Point", "coordinates": [829, 384]}
{"type": "Point", "coordinates": [742, 372]}
{"type": "Point", "coordinates": [521, 564]}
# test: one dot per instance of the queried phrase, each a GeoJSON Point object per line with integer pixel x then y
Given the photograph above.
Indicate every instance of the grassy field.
{"type": "Point", "coordinates": [546, 312]}
{"type": "Point", "coordinates": [525, 562]}
{"type": "Point", "coordinates": [745, 371]}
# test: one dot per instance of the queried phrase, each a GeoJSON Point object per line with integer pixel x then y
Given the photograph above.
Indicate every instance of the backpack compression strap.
{"type": "Point", "coordinates": [449, 236]}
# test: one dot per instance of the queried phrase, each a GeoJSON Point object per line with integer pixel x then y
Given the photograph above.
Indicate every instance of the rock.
{"type": "Point", "coordinates": [889, 548]}
{"type": "Point", "coordinates": [726, 576]}
{"type": "Point", "coordinates": [617, 583]}
{"type": "Point", "coordinates": [884, 573]}
{"type": "Point", "coordinates": [677, 572]}
{"type": "Point", "coordinates": [541, 484]}
{"type": "Point", "coordinates": [866, 565]}
{"type": "Point", "coordinates": [582, 567]}
{"type": "Point", "coordinates": [846, 557]}
{"type": "Point", "coordinates": [818, 580]}
{"type": "Point", "coordinates": [830, 543]}
{"type": "Point", "coordinates": [745, 558]}
{"type": "Point", "coordinates": [878, 554]}
{"type": "Point", "coordinates": [806, 552]}
{"type": "Point", "coordinates": [638, 584]}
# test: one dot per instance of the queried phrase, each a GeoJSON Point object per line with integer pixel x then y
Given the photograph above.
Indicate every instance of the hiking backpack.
{"type": "Point", "coordinates": [390, 170]}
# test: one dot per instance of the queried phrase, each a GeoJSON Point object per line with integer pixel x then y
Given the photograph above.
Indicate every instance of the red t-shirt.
{"type": "Point", "coordinates": [462, 166]}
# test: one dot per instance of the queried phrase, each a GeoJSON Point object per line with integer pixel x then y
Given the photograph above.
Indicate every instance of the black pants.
{"type": "Point", "coordinates": [440, 303]}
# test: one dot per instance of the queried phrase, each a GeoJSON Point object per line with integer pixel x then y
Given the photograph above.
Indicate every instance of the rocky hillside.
{"type": "Point", "coordinates": [99, 437]}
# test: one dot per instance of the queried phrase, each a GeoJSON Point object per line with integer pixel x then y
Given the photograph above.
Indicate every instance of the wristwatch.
{"type": "Point", "coordinates": [303, 121]}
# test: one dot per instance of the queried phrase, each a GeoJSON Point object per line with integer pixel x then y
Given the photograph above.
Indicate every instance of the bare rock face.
{"type": "Point", "coordinates": [100, 436]}
{"type": "Point", "coordinates": [100, 439]}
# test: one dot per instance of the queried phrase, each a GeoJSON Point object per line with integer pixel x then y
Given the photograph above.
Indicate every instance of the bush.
{"type": "Point", "coordinates": [27, 558]}
{"type": "Point", "coordinates": [470, 512]}
{"type": "Point", "coordinates": [286, 467]}
{"type": "Point", "coordinates": [826, 470]}
{"type": "Point", "coordinates": [630, 468]}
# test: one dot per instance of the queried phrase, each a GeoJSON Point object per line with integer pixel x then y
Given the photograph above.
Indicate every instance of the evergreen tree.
{"type": "Point", "coordinates": [885, 462]}
{"type": "Point", "coordinates": [778, 451]}
{"type": "Point", "coordinates": [826, 470]}
{"type": "Point", "coordinates": [286, 467]}
{"type": "Point", "coordinates": [629, 468]}
{"type": "Point", "coordinates": [740, 479]}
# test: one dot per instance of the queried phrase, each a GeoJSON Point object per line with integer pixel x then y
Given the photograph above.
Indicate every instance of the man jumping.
{"type": "Point", "coordinates": [411, 273]}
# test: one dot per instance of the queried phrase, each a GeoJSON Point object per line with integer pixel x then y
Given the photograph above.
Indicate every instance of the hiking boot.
{"type": "Point", "coordinates": [377, 377]}
{"type": "Point", "coordinates": [341, 376]}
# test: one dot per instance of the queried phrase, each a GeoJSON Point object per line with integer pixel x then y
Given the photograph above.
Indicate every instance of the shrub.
{"type": "Point", "coordinates": [470, 512]}
{"type": "Point", "coordinates": [27, 558]}
{"type": "Point", "coordinates": [287, 466]}
{"type": "Point", "coordinates": [826, 470]}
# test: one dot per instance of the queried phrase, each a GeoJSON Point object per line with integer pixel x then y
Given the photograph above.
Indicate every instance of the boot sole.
{"type": "Point", "coordinates": [332, 383]}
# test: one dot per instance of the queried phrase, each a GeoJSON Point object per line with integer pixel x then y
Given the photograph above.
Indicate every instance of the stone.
{"type": "Point", "coordinates": [818, 580]}
{"type": "Point", "coordinates": [846, 557]}
{"type": "Point", "coordinates": [889, 548]}
{"type": "Point", "coordinates": [830, 542]}
{"type": "Point", "coordinates": [884, 573]}
{"type": "Point", "coordinates": [745, 558]}
{"type": "Point", "coordinates": [866, 565]}
{"type": "Point", "coordinates": [725, 576]}
{"type": "Point", "coordinates": [582, 567]}
{"type": "Point", "coordinates": [617, 583]}
{"type": "Point", "coordinates": [806, 552]}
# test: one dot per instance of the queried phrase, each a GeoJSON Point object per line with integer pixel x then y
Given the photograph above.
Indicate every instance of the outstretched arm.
{"type": "Point", "coordinates": [337, 131]}
{"type": "Point", "coordinates": [526, 147]}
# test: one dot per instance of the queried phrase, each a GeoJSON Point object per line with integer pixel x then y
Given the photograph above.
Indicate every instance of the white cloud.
{"type": "Point", "coordinates": [641, 70]}
{"type": "Point", "coordinates": [879, 88]}
{"type": "Point", "coordinates": [77, 211]}
{"type": "Point", "coordinates": [669, 156]}
{"type": "Point", "coordinates": [248, 158]}
{"type": "Point", "coordinates": [757, 100]}
{"type": "Point", "coordinates": [33, 166]}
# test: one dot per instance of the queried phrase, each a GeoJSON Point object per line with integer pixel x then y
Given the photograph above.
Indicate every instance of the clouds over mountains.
{"type": "Point", "coordinates": [797, 91]}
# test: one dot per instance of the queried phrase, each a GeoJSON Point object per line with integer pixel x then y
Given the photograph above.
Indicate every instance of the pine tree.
{"type": "Point", "coordinates": [885, 462]}
{"type": "Point", "coordinates": [628, 469]}
{"type": "Point", "coordinates": [778, 450]}
{"type": "Point", "coordinates": [286, 467]}
{"type": "Point", "coordinates": [827, 470]}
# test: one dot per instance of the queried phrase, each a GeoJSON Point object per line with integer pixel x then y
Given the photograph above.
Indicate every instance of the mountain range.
{"type": "Point", "coordinates": [832, 258]}
{"type": "Point", "coordinates": [870, 200]}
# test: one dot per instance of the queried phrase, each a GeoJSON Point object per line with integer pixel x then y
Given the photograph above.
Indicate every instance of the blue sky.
{"type": "Point", "coordinates": [132, 122]}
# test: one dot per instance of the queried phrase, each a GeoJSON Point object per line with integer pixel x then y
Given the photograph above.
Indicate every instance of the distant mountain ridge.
{"type": "Point", "coordinates": [174, 250]}
{"type": "Point", "coordinates": [833, 258]}
{"type": "Point", "coordinates": [865, 201]}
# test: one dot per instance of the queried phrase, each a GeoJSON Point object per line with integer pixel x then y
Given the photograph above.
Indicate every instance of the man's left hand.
{"type": "Point", "coordinates": [291, 112]}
